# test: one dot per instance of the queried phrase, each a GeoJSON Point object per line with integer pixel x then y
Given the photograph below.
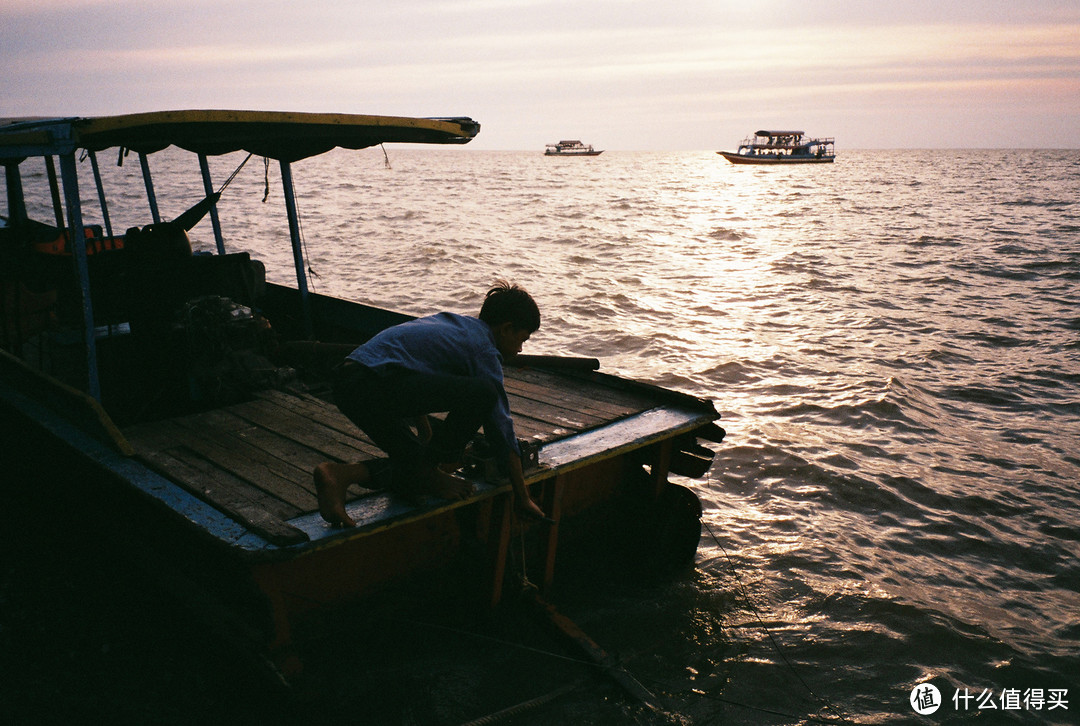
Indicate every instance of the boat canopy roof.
{"type": "Point", "coordinates": [778, 133]}
{"type": "Point", "coordinates": [280, 135]}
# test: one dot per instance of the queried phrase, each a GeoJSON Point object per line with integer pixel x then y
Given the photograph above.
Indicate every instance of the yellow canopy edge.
{"type": "Point", "coordinates": [281, 135]}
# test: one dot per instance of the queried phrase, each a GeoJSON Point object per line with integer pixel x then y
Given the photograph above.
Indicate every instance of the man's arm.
{"type": "Point", "coordinates": [524, 502]}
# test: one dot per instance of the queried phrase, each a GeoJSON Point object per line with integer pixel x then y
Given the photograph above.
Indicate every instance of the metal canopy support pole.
{"type": "Point", "coordinates": [58, 209]}
{"type": "Point", "coordinates": [208, 187]}
{"type": "Point", "coordinates": [16, 202]}
{"type": "Point", "coordinates": [149, 182]}
{"type": "Point", "coordinates": [101, 194]}
{"type": "Point", "coordinates": [298, 250]}
{"type": "Point", "coordinates": [69, 173]}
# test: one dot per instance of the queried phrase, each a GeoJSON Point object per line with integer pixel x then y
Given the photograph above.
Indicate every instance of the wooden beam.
{"type": "Point", "coordinates": [661, 465]}
{"type": "Point", "coordinates": [501, 516]}
{"type": "Point", "coordinates": [552, 506]}
{"type": "Point", "coordinates": [588, 646]}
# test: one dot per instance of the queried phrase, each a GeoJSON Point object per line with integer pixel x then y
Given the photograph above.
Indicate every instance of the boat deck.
{"type": "Point", "coordinates": [254, 460]}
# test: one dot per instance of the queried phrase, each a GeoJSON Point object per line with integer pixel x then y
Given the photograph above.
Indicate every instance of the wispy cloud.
{"type": "Point", "coordinates": [680, 64]}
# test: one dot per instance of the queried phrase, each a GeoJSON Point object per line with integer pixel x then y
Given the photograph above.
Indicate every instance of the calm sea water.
{"type": "Point", "coordinates": [893, 342]}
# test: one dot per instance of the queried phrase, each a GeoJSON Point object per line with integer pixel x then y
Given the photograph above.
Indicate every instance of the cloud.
{"type": "Point", "coordinates": [681, 63]}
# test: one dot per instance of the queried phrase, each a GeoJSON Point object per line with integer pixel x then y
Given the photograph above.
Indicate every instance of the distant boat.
{"type": "Point", "coordinates": [782, 147]}
{"type": "Point", "coordinates": [571, 147]}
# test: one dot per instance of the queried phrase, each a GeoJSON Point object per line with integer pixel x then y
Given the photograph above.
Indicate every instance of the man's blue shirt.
{"type": "Point", "coordinates": [445, 343]}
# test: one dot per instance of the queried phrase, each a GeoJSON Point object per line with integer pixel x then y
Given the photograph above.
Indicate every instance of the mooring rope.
{"type": "Point", "coordinates": [266, 178]}
{"type": "Point", "coordinates": [523, 706]}
{"type": "Point", "coordinates": [761, 622]}
{"type": "Point", "coordinates": [670, 690]}
{"type": "Point", "coordinates": [592, 665]}
{"type": "Point", "coordinates": [312, 274]}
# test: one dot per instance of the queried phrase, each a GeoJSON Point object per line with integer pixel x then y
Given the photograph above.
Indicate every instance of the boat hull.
{"type": "Point", "coordinates": [774, 160]}
{"type": "Point", "coordinates": [573, 153]}
{"type": "Point", "coordinates": [269, 588]}
{"type": "Point", "coordinates": [268, 601]}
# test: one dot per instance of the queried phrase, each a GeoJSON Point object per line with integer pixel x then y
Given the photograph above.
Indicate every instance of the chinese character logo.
{"type": "Point", "coordinates": [925, 699]}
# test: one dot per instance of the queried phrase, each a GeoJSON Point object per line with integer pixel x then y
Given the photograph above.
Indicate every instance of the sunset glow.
{"type": "Point", "coordinates": [617, 72]}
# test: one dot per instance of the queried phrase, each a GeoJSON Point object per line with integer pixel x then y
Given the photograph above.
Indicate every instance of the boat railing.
{"type": "Point", "coordinates": [779, 144]}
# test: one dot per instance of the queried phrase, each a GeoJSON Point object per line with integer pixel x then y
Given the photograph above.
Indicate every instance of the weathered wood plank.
{"type": "Point", "coordinates": [555, 416]}
{"type": "Point", "coordinates": [245, 463]}
{"type": "Point", "coordinates": [265, 518]}
{"type": "Point", "coordinates": [567, 404]}
{"type": "Point", "coordinates": [532, 419]}
{"type": "Point", "coordinates": [302, 459]}
{"type": "Point", "coordinates": [621, 436]}
{"type": "Point", "coordinates": [542, 431]}
{"type": "Point", "coordinates": [333, 444]}
{"type": "Point", "coordinates": [315, 409]}
{"type": "Point", "coordinates": [573, 394]}
{"type": "Point", "coordinates": [597, 388]}
{"type": "Point", "coordinates": [325, 415]}
{"type": "Point", "coordinates": [271, 473]}
{"type": "Point", "coordinates": [255, 458]}
{"type": "Point", "coordinates": [548, 408]}
{"type": "Point", "coordinates": [299, 456]}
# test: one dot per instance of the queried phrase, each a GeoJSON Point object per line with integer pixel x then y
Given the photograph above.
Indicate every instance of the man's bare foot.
{"type": "Point", "coordinates": [331, 482]}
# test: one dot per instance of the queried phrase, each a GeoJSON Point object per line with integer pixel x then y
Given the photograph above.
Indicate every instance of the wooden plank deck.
{"type": "Point", "coordinates": [254, 460]}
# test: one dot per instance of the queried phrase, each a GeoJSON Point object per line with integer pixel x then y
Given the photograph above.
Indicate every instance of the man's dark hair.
{"type": "Point", "coordinates": [508, 303]}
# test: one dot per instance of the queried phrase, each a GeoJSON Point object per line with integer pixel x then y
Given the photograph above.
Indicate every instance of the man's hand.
{"type": "Point", "coordinates": [528, 509]}
{"type": "Point", "coordinates": [524, 504]}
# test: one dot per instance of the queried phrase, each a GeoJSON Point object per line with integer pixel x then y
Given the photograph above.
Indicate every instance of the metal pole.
{"type": "Point", "coordinates": [69, 173]}
{"type": "Point", "coordinates": [58, 210]}
{"type": "Point", "coordinates": [298, 251]}
{"type": "Point", "coordinates": [101, 194]}
{"type": "Point", "coordinates": [16, 202]}
{"type": "Point", "coordinates": [145, 164]}
{"type": "Point", "coordinates": [208, 187]}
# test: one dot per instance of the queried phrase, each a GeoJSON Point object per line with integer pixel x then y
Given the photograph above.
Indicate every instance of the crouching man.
{"type": "Point", "coordinates": [442, 363]}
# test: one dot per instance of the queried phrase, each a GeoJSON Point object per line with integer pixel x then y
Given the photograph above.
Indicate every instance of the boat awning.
{"type": "Point", "coordinates": [279, 135]}
{"type": "Point", "coordinates": [778, 133]}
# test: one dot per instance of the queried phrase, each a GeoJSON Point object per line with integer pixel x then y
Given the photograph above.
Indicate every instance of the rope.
{"type": "Point", "coordinates": [266, 195]}
{"type": "Point", "coordinates": [233, 175]}
{"type": "Point", "coordinates": [523, 706]}
{"type": "Point", "coordinates": [669, 689]}
{"type": "Point", "coordinates": [525, 582]}
{"type": "Point", "coordinates": [761, 622]}
{"type": "Point", "coordinates": [747, 706]}
{"type": "Point", "coordinates": [312, 274]}
{"type": "Point", "coordinates": [492, 639]}
{"type": "Point", "coordinates": [592, 665]}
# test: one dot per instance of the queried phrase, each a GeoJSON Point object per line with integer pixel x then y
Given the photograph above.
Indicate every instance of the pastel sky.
{"type": "Point", "coordinates": [620, 74]}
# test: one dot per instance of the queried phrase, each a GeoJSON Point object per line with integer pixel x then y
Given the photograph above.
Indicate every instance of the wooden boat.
{"type": "Point", "coordinates": [116, 391]}
{"type": "Point", "coordinates": [571, 147]}
{"type": "Point", "coordinates": [782, 147]}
